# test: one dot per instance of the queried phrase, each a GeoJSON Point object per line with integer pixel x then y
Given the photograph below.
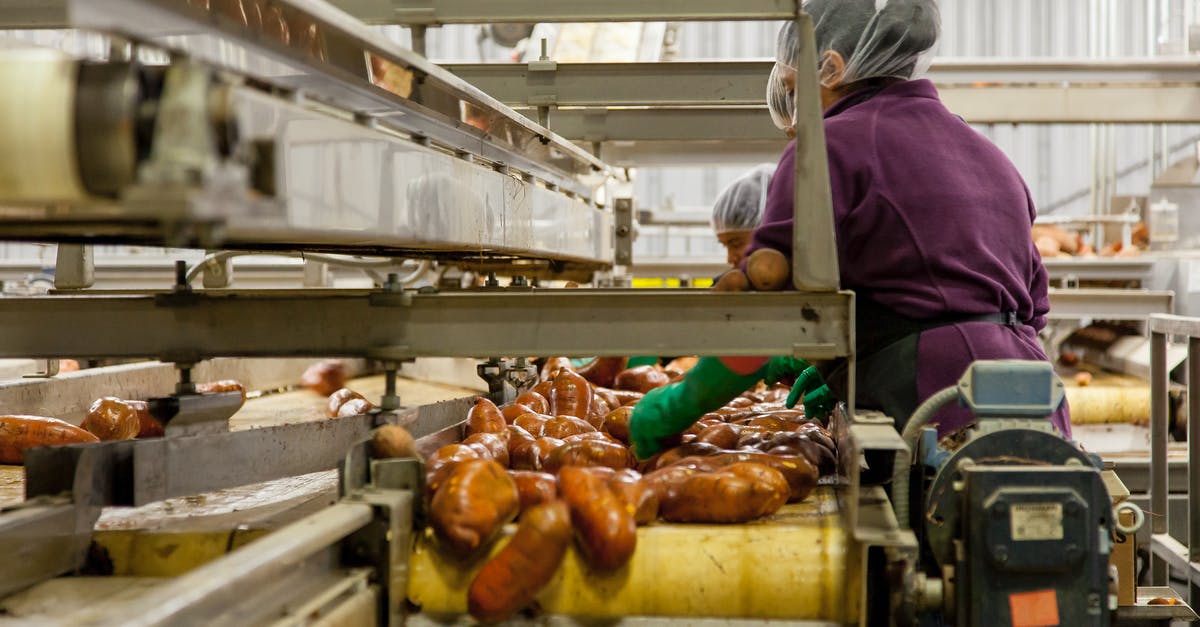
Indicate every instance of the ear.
{"type": "Point", "coordinates": [832, 69]}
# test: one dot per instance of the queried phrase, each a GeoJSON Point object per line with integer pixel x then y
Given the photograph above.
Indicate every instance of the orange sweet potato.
{"type": "Point", "coordinates": [474, 503]}
{"type": "Point", "coordinates": [572, 395]}
{"type": "Point", "coordinates": [18, 433]}
{"type": "Point", "coordinates": [510, 580]}
{"type": "Point", "coordinates": [605, 528]}
{"type": "Point", "coordinates": [485, 417]}
{"type": "Point", "coordinates": [734, 494]}
{"type": "Point", "coordinates": [110, 418]}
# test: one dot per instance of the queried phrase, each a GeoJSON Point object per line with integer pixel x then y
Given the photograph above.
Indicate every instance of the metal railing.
{"type": "Point", "coordinates": [1166, 552]}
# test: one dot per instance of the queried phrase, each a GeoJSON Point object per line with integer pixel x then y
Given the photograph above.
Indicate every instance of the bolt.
{"type": "Point", "coordinates": [1071, 508]}
{"type": "Point", "coordinates": [1072, 551]}
{"type": "Point", "coordinates": [1093, 601]}
{"type": "Point", "coordinates": [1000, 554]}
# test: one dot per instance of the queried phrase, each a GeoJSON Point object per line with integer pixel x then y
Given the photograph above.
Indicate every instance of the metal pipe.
{"type": "Point", "coordinates": [186, 597]}
{"type": "Point", "coordinates": [1158, 448]}
{"type": "Point", "coordinates": [912, 431]}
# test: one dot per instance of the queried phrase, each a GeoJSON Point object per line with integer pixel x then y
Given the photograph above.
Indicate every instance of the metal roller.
{"type": "Point", "coordinates": [798, 565]}
{"type": "Point", "coordinates": [71, 130]}
{"type": "Point", "coordinates": [37, 138]}
{"type": "Point", "coordinates": [1096, 404]}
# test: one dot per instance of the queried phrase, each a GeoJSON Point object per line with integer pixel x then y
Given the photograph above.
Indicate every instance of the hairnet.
{"type": "Point", "coordinates": [876, 39]}
{"type": "Point", "coordinates": [740, 205]}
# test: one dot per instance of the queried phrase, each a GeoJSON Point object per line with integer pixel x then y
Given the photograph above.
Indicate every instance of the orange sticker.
{"type": "Point", "coordinates": [1034, 609]}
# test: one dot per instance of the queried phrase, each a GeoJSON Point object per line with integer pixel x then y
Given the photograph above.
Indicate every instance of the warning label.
{"type": "Point", "coordinates": [1037, 521]}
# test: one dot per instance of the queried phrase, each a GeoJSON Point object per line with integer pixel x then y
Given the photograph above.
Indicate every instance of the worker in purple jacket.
{"type": "Point", "coordinates": [933, 227]}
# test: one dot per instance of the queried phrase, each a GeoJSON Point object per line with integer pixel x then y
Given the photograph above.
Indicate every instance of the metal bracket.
{"type": "Point", "coordinates": [195, 413]}
{"type": "Point", "coordinates": [623, 219]}
{"type": "Point", "coordinates": [74, 267]}
{"type": "Point", "coordinates": [48, 372]}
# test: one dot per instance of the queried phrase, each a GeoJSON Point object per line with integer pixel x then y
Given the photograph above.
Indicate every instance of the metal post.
{"type": "Point", "coordinates": [1193, 391]}
{"type": "Point", "coordinates": [391, 399]}
{"type": "Point", "coordinates": [74, 267]}
{"type": "Point", "coordinates": [1158, 449]}
{"type": "Point", "coordinates": [418, 40]}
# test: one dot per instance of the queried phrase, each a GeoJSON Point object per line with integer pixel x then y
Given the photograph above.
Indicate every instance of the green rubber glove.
{"type": "Point", "coordinates": [579, 362]}
{"type": "Point", "coordinates": [817, 399]}
{"type": "Point", "coordinates": [708, 386]}
{"type": "Point", "coordinates": [641, 360]}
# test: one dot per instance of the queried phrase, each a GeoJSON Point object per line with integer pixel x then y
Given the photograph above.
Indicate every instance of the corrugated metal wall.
{"type": "Point", "coordinates": [1057, 161]}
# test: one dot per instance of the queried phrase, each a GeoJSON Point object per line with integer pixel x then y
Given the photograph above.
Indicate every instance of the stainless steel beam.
{"type": "Point", "coordinates": [1102, 268]}
{"type": "Point", "coordinates": [338, 59]}
{"type": "Point", "coordinates": [688, 152]}
{"type": "Point", "coordinates": [1008, 105]}
{"type": "Point", "coordinates": [196, 326]}
{"type": "Point", "coordinates": [437, 12]}
{"type": "Point", "coordinates": [1175, 325]}
{"type": "Point", "coordinates": [394, 196]}
{"type": "Point", "coordinates": [666, 124]}
{"type": "Point", "coordinates": [1112, 304]}
{"type": "Point", "coordinates": [1159, 429]}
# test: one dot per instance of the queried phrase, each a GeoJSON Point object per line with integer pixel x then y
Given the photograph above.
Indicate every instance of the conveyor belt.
{"type": "Point", "coordinates": [1109, 398]}
{"type": "Point", "coordinates": [797, 564]}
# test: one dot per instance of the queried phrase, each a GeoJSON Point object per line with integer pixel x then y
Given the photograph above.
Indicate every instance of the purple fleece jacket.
{"type": "Point", "coordinates": [931, 220]}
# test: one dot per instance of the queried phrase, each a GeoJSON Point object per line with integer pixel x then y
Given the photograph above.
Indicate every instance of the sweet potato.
{"type": "Point", "coordinates": [734, 494]}
{"type": "Point", "coordinates": [110, 418]}
{"type": "Point", "coordinates": [600, 409]}
{"type": "Point", "coordinates": [490, 445]}
{"type": "Point", "coordinates": [638, 496]}
{"type": "Point", "coordinates": [572, 395]}
{"type": "Point", "coordinates": [591, 435]}
{"type": "Point", "coordinates": [148, 425]}
{"type": "Point", "coordinates": [553, 366]}
{"type": "Point", "coordinates": [533, 456]}
{"type": "Point", "coordinates": [545, 389]}
{"type": "Point", "coordinates": [665, 482]}
{"type": "Point", "coordinates": [474, 503]}
{"type": "Point", "coordinates": [605, 528]}
{"type": "Point", "coordinates": [511, 411]}
{"type": "Point", "coordinates": [485, 417]}
{"type": "Point", "coordinates": [589, 453]}
{"type": "Point", "coordinates": [18, 433]}
{"type": "Point", "coordinates": [641, 379]}
{"type": "Point", "coordinates": [355, 407]}
{"type": "Point", "coordinates": [801, 475]}
{"type": "Point", "coordinates": [678, 367]}
{"type": "Point", "coordinates": [768, 270]}
{"type": "Point", "coordinates": [534, 401]}
{"type": "Point", "coordinates": [325, 377]}
{"type": "Point", "coordinates": [603, 370]}
{"type": "Point", "coordinates": [534, 487]}
{"type": "Point", "coordinates": [517, 436]}
{"type": "Point", "coordinates": [817, 454]}
{"type": "Point", "coordinates": [616, 423]}
{"type": "Point", "coordinates": [609, 396]}
{"type": "Point", "coordinates": [393, 441]}
{"type": "Point", "coordinates": [533, 423]}
{"type": "Point", "coordinates": [339, 398]}
{"type": "Point", "coordinates": [224, 385]}
{"type": "Point", "coordinates": [732, 281]}
{"type": "Point", "coordinates": [443, 461]}
{"type": "Point", "coordinates": [687, 450]}
{"type": "Point", "coordinates": [818, 434]}
{"type": "Point", "coordinates": [510, 580]}
{"type": "Point", "coordinates": [721, 436]}
{"type": "Point", "coordinates": [563, 426]}
{"type": "Point", "coordinates": [628, 398]}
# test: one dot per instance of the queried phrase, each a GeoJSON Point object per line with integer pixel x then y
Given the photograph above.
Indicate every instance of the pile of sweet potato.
{"type": "Point", "coordinates": [558, 461]}
{"type": "Point", "coordinates": [108, 418]}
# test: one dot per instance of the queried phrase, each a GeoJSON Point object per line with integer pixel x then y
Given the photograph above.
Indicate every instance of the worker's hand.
{"type": "Point", "coordinates": [655, 421]}
{"type": "Point", "coordinates": [779, 368]}
{"type": "Point", "coordinates": [811, 389]}
{"type": "Point", "coordinates": [665, 412]}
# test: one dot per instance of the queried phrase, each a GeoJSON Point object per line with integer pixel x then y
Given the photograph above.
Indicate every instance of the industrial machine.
{"type": "Point", "coordinates": [291, 126]}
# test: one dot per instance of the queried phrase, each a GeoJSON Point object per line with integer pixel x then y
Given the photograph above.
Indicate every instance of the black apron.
{"type": "Point", "coordinates": [886, 351]}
